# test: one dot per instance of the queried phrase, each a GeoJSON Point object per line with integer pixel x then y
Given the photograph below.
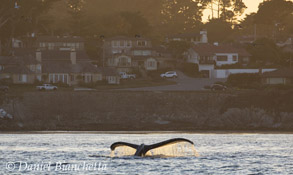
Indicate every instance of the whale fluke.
{"type": "Point", "coordinates": [117, 144]}
{"type": "Point", "coordinates": [142, 149]}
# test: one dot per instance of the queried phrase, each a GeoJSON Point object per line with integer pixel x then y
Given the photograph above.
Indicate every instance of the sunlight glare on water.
{"type": "Point", "coordinates": [123, 151]}
{"type": "Point", "coordinates": [181, 149]}
{"type": "Point", "coordinates": [219, 153]}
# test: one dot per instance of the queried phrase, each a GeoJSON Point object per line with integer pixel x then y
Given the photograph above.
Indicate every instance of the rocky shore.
{"type": "Point", "coordinates": [149, 111]}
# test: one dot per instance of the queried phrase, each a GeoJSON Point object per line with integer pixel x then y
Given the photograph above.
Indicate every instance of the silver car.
{"type": "Point", "coordinates": [170, 74]}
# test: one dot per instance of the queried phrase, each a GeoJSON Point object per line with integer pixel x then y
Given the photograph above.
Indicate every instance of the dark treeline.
{"type": "Point", "coordinates": [152, 18]}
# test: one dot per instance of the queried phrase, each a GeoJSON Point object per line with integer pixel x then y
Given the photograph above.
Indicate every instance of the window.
{"type": "Point", "coordinates": [32, 68]}
{"type": "Point", "coordinates": [115, 43]}
{"type": "Point", "coordinates": [151, 64]}
{"type": "Point", "coordinates": [42, 44]}
{"type": "Point", "coordinates": [65, 79]}
{"type": "Point", "coordinates": [19, 77]}
{"type": "Point", "coordinates": [123, 61]}
{"type": "Point", "coordinates": [222, 58]}
{"type": "Point", "coordinates": [55, 78]}
{"type": "Point", "coordinates": [137, 52]}
{"type": "Point", "coordinates": [60, 78]}
{"type": "Point", "coordinates": [87, 78]}
{"type": "Point", "coordinates": [235, 58]}
{"type": "Point", "coordinates": [51, 78]}
{"type": "Point", "coordinates": [141, 43]}
{"type": "Point", "coordinates": [39, 68]}
{"type": "Point", "coordinates": [72, 78]}
{"type": "Point", "coordinates": [51, 46]}
{"type": "Point", "coordinates": [128, 43]}
{"type": "Point", "coordinates": [146, 52]}
{"type": "Point", "coordinates": [121, 43]}
{"type": "Point", "coordinates": [22, 78]}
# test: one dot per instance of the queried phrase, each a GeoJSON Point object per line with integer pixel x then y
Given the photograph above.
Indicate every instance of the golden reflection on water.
{"type": "Point", "coordinates": [171, 150]}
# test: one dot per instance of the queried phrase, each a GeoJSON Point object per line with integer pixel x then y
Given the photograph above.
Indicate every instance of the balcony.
{"type": "Point", "coordinates": [206, 62]}
{"type": "Point", "coordinates": [124, 65]}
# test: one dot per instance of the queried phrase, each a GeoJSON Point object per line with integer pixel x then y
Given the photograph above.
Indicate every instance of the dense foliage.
{"type": "Point", "coordinates": [150, 18]}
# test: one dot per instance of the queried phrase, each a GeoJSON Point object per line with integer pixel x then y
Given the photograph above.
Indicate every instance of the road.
{"type": "Point", "coordinates": [184, 83]}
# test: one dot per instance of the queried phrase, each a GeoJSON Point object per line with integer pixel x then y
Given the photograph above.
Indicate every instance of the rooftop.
{"type": "Point", "coordinates": [280, 73]}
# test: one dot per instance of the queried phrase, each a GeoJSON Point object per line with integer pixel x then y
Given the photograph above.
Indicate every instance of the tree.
{"type": "Point", "coordinates": [276, 16]}
{"type": "Point", "coordinates": [76, 11]}
{"type": "Point", "coordinates": [274, 11]}
{"type": "Point", "coordinates": [123, 23]}
{"type": "Point", "coordinates": [182, 15]}
{"type": "Point", "coordinates": [227, 10]}
{"type": "Point", "coordinates": [265, 52]}
{"type": "Point", "coordinates": [178, 48]}
{"type": "Point", "coordinates": [219, 30]}
{"type": "Point", "coordinates": [18, 18]}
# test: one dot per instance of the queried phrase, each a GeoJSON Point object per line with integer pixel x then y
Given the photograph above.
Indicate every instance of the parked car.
{"type": "Point", "coordinates": [47, 87]}
{"type": "Point", "coordinates": [4, 88]}
{"type": "Point", "coordinates": [218, 87]}
{"type": "Point", "coordinates": [124, 75]}
{"type": "Point", "coordinates": [170, 74]}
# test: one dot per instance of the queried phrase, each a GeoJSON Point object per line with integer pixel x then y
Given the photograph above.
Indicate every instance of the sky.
{"type": "Point", "coordinates": [252, 6]}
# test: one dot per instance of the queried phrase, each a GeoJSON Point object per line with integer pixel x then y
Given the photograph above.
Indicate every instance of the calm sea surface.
{"type": "Point", "coordinates": [89, 153]}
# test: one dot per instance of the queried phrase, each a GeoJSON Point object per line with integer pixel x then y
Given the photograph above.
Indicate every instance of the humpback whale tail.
{"type": "Point", "coordinates": [141, 150]}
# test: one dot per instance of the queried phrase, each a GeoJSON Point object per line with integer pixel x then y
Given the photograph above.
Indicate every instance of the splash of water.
{"type": "Point", "coordinates": [123, 151]}
{"type": "Point", "coordinates": [171, 150]}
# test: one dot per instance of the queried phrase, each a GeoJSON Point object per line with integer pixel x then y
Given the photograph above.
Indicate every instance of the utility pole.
{"type": "Point", "coordinates": [254, 32]}
{"type": "Point", "coordinates": [290, 56]}
{"type": "Point", "coordinates": [103, 47]}
{"type": "Point", "coordinates": [290, 59]}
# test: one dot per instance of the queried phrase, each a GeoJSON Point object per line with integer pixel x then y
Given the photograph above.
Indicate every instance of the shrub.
{"type": "Point", "coordinates": [136, 72]}
{"type": "Point", "coordinates": [6, 81]}
{"type": "Point", "coordinates": [156, 74]}
{"type": "Point", "coordinates": [93, 84]}
{"type": "Point", "coordinates": [61, 84]}
{"type": "Point", "coordinates": [190, 69]}
{"type": "Point", "coordinates": [244, 80]}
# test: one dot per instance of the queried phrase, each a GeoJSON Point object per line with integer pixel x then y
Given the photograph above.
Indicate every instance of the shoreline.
{"type": "Point", "coordinates": [150, 112]}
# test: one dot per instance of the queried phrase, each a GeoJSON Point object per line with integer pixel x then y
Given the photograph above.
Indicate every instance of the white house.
{"type": "Point", "coordinates": [195, 38]}
{"type": "Point", "coordinates": [207, 56]}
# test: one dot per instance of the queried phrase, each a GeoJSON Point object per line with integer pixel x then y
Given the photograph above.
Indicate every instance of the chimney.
{"type": "Point", "coordinates": [73, 56]}
{"type": "Point", "coordinates": [39, 55]}
{"type": "Point", "coordinates": [204, 36]}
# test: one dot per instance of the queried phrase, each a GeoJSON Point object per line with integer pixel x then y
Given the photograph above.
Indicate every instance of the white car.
{"type": "Point", "coordinates": [124, 75]}
{"type": "Point", "coordinates": [47, 87]}
{"type": "Point", "coordinates": [170, 74]}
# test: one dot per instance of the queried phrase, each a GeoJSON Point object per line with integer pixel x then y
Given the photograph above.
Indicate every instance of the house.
{"type": "Point", "coordinates": [247, 39]}
{"type": "Point", "coordinates": [52, 59]}
{"type": "Point", "coordinates": [110, 75]}
{"type": "Point", "coordinates": [60, 43]}
{"type": "Point", "coordinates": [280, 76]}
{"type": "Point", "coordinates": [195, 38]}
{"type": "Point", "coordinates": [68, 67]}
{"type": "Point", "coordinates": [50, 66]}
{"type": "Point", "coordinates": [20, 70]}
{"type": "Point", "coordinates": [49, 43]}
{"type": "Point", "coordinates": [207, 56]}
{"type": "Point", "coordinates": [127, 53]}
{"type": "Point", "coordinates": [164, 58]}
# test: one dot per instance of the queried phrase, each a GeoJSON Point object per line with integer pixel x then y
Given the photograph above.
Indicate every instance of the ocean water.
{"type": "Point", "coordinates": [89, 153]}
